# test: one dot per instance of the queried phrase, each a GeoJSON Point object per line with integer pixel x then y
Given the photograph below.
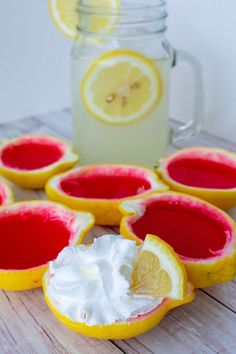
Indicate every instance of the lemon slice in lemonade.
{"type": "Point", "coordinates": [158, 271]}
{"type": "Point", "coordinates": [121, 87]}
{"type": "Point", "coordinates": [65, 15]}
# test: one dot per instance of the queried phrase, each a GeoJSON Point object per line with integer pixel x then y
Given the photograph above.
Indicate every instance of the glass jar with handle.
{"type": "Point", "coordinates": [121, 63]}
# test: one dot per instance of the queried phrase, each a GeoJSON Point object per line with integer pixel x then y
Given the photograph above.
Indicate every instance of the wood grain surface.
{"type": "Point", "coordinates": [207, 325]}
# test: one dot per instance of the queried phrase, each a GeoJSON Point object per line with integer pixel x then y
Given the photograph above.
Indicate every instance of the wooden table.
{"type": "Point", "coordinates": [208, 325]}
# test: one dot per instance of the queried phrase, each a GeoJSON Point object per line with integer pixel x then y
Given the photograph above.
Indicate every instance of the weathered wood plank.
{"type": "Point", "coordinates": [60, 122]}
{"type": "Point", "coordinates": [224, 293]}
{"type": "Point", "coordinates": [204, 326]}
{"type": "Point", "coordinates": [27, 326]}
{"type": "Point", "coordinates": [24, 126]}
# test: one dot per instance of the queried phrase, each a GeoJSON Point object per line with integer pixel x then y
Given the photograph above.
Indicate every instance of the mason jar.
{"type": "Point", "coordinates": [120, 73]}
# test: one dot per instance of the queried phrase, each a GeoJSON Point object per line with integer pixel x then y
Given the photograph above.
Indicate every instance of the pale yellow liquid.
{"type": "Point", "coordinates": [142, 142]}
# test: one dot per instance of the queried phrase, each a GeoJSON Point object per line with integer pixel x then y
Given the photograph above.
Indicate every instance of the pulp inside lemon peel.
{"type": "Point", "coordinates": [146, 281]}
{"type": "Point", "coordinates": [203, 172]}
{"type": "Point", "coordinates": [31, 154]}
{"type": "Point", "coordinates": [32, 238]}
{"type": "Point", "coordinates": [193, 231]}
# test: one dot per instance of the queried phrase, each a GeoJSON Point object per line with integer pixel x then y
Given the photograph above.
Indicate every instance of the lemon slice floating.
{"type": "Point", "coordinates": [121, 87]}
{"type": "Point", "coordinates": [65, 15]}
{"type": "Point", "coordinates": [158, 271]}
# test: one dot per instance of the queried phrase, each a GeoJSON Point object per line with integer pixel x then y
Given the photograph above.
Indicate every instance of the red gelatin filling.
{"type": "Point", "coordinates": [193, 232]}
{"type": "Point", "coordinates": [95, 185]}
{"type": "Point", "coordinates": [30, 239]}
{"type": "Point", "coordinates": [203, 173]}
{"type": "Point", "coordinates": [31, 154]}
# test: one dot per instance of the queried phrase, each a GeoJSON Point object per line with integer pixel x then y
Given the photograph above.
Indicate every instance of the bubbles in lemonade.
{"type": "Point", "coordinates": [140, 141]}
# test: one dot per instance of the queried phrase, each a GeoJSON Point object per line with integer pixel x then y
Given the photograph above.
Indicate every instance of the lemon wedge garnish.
{"type": "Point", "coordinates": [121, 87]}
{"type": "Point", "coordinates": [158, 271]}
{"type": "Point", "coordinates": [65, 15]}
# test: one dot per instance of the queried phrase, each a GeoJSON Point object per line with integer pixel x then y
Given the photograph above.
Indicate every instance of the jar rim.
{"type": "Point", "coordinates": [149, 13]}
{"type": "Point", "coordinates": [148, 5]}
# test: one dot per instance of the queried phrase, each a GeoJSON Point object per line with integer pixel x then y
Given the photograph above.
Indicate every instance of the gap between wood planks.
{"type": "Point", "coordinates": [220, 302]}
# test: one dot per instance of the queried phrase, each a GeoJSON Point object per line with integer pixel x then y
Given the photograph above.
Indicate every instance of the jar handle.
{"type": "Point", "coordinates": [194, 125]}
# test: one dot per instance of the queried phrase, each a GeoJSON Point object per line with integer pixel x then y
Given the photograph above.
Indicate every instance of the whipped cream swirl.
{"type": "Point", "coordinates": [92, 285]}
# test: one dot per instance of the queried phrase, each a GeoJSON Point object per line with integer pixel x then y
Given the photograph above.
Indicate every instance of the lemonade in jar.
{"type": "Point", "coordinates": [120, 73]}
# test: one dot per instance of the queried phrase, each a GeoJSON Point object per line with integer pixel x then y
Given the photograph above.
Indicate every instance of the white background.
{"type": "Point", "coordinates": [34, 60]}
